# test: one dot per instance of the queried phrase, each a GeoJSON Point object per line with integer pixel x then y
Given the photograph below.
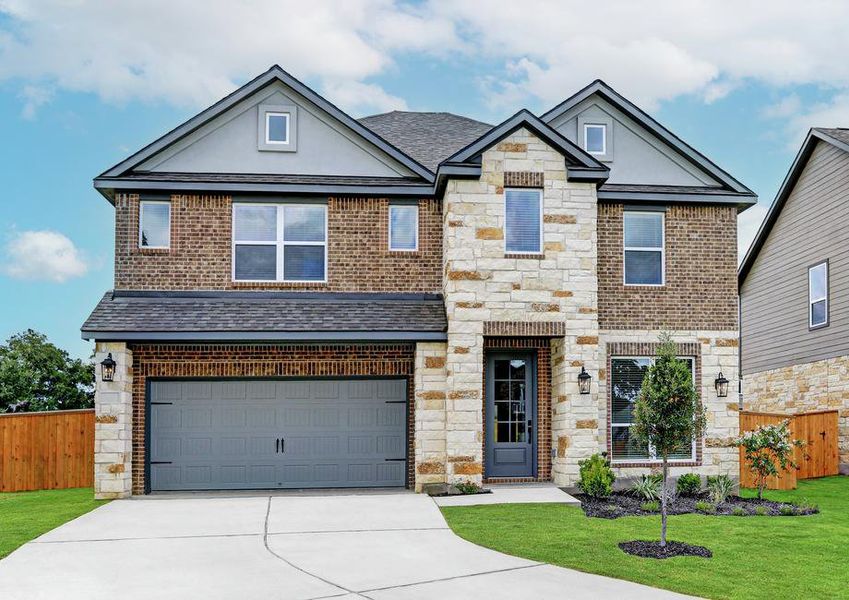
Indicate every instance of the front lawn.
{"type": "Point", "coordinates": [753, 557]}
{"type": "Point", "coordinates": [26, 515]}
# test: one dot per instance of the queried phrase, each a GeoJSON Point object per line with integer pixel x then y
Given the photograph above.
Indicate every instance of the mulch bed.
{"type": "Point", "coordinates": [626, 504]}
{"type": "Point", "coordinates": [653, 549]}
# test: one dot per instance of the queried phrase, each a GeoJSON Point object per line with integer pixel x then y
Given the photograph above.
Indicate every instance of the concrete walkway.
{"type": "Point", "coordinates": [299, 547]}
{"type": "Point", "coordinates": [525, 493]}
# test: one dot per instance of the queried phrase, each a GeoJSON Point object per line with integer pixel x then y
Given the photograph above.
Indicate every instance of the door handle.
{"type": "Point", "coordinates": [282, 444]}
{"type": "Point", "coordinates": [277, 446]}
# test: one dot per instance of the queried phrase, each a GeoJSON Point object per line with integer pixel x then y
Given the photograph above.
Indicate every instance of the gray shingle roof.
{"type": "Point", "coordinates": [664, 189]}
{"type": "Point", "coordinates": [428, 137]}
{"type": "Point", "coordinates": [265, 315]}
{"type": "Point", "coordinates": [272, 178]}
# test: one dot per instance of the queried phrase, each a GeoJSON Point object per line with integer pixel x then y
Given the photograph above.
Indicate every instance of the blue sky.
{"type": "Point", "coordinates": [77, 98]}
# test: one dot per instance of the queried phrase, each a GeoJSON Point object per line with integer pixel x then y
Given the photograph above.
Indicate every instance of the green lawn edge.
{"type": "Point", "coordinates": [26, 515]}
{"type": "Point", "coordinates": [754, 557]}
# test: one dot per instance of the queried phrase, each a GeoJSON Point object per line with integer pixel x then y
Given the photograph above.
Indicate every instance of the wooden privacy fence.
{"type": "Point", "coordinates": [46, 450]}
{"type": "Point", "coordinates": [819, 456]}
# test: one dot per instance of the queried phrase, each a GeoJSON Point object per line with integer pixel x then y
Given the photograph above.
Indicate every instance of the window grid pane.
{"type": "Point", "coordinates": [277, 128]}
{"type": "Point", "coordinates": [154, 224]}
{"type": "Point", "coordinates": [403, 227]}
{"type": "Point", "coordinates": [522, 220]}
{"type": "Point", "coordinates": [256, 262]}
{"type": "Point", "coordinates": [818, 294]}
{"type": "Point", "coordinates": [256, 223]}
{"type": "Point", "coordinates": [594, 138]}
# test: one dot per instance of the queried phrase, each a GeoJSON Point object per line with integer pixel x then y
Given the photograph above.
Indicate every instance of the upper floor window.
{"type": "Point", "coordinates": [644, 248]}
{"type": "Point", "coordinates": [818, 295]}
{"type": "Point", "coordinates": [276, 128]}
{"type": "Point", "coordinates": [595, 138]}
{"type": "Point", "coordinates": [404, 227]}
{"type": "Point", "coordinates": [523, 221]}
{"type": "Point", "coordinates": [280, 242]}
{"type": "Point", "coordinates": [154, 224]}
{"type": "Point", "coordinates": [626, 379]}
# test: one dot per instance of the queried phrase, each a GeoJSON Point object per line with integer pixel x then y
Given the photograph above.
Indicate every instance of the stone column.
{"type": "Point", "coordinates": [430, 413]}
{"type": "Point", "coordinates": [113, 435]}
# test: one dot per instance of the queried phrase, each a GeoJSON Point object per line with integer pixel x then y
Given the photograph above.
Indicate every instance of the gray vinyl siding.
{"type": "Point", "coordinates": [813, 226]}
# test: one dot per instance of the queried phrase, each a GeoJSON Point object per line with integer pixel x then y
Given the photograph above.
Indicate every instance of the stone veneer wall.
{"type": "Point", "coordinates": [113, 424]}
{"type": "Point", "coordinates": [714, 351]}
{"type": "Point", "coordinates": [820, 385]}
{"type": "Point", "coordinates": [483, 284]}
{"type": "Point", "coordinates": [429, 380]}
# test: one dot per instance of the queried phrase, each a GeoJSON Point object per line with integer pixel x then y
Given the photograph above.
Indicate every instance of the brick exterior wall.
{"type": "Point", "coordinates": [199, 258]}
{"type": "Point", "coordinates": [701, 272]}
{"type": "Point", "coordinates": [226, 360]}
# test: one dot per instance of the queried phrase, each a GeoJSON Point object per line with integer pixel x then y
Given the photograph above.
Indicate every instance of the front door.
{"type": "Point", "coordinates": [511, 404]}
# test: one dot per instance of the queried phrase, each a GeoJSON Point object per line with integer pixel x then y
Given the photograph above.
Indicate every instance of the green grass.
{"type": "Point", "coordinates": [26, 515]}
{"type": "Point", "coordinates": [753, 557]}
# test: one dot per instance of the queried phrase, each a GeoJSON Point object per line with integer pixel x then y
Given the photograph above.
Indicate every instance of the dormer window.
{"type": "Point", "coordinates": [276, 128]}
{"type": "Point", "coordinates": [595, 138]}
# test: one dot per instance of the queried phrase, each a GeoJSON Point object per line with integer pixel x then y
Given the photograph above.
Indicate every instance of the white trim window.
{"type": "Point", "coordinates": [277, 127]}
{"type": "Point", "coordinates": [818, 295]}
{"type": "Point", "coordinates": [280, 242]}
{"type": "Point", "coordinates": [595, 138]}
{"type": "Point", "coordinates": [644, 254]}
{"type": "Point", "coordinates": [523, 221]}
{"type": "Point", "coordinates": [403, 227]}
{"type": "Point", "coordinates": [154, 224]}
{"type": "Point", "coordinates": [626, 378]}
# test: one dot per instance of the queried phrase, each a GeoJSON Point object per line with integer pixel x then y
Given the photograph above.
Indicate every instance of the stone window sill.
{"type": "Point", "coordinates": [525, 256]}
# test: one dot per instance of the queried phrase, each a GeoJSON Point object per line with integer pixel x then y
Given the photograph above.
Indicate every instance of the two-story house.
{"type": "Point", "coordinates": [794, 296]}
{"type": "Point", "coordinates": [303, 299]}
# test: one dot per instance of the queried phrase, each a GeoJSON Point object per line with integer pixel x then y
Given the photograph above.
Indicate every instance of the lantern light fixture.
{"type": "Point", "coordinates": [584, 380]}
{"type": "Point", "coordinates": [721, 384]}
{"type": "Point", "coordinates": [107, 368]}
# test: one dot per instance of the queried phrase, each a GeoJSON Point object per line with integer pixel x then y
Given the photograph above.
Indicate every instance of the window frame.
{"type": "Point", "coordinates": [603, 127]}
{"type": "Point", "coordinates": [541, 233]}
{"type": "Point", "coordinates": [661, 249]}
{"type": "Point", "coordinates": [279, 243]}
{"type": "Point", "coordinates": [404, 206]}
{"type": "Point", "coordinates": [278, 113]}
{"type": "Point", "coordinates": [811, 300]}
{"type": "Point", "coordinates": [142, 204]}
{"type": "Point", "coordinates": [652, 458]}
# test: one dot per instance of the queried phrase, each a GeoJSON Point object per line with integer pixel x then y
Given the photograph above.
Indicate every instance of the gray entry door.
{"type": "Point", "coordinates": [259, 434]}
{"type": "Point", "coordinates": [511, 402]}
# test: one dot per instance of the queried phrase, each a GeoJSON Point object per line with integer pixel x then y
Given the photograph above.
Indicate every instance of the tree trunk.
{"type": "Point", "coordinates": [663, 504]}
{"type": "Point", "coordinates": [761, 485]}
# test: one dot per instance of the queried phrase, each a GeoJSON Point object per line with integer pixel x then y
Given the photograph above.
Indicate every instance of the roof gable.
{"type": "Point", "coordinates": [657, 147]}
{"type": "Point", "coordinates": [839, 138]}
{"type": "Point", "coordinates": [196, 145]}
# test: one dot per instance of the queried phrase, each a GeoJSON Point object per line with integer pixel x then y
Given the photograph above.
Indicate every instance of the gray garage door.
{"type": "Point", "coordinates": [259, 434]}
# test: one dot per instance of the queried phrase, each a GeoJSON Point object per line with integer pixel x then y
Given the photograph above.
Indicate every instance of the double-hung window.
{"type": "Point", "coordinates": [644, 257]}
{"type": "Point", "coordinates": [280, 242]}
{"type": "Point", "coordinates": [403, 227]}
{"type": "Point", "coordinates": [818, 295]}
{"type": "Point", "coordinates": [626, 378]}
{"type": "Point", "coordinates": [523, 221]}
{"type": "Point", "coordinates": [154, 224]}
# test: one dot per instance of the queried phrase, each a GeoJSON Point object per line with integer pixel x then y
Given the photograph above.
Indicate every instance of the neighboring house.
{"type": "Point", "coordinates": [794, 290]}
{"type": "Point", "coordinates": [303, 299]}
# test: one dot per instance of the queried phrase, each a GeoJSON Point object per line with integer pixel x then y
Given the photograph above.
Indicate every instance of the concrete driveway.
{"type": "Point", "coordinates": [299, 547]}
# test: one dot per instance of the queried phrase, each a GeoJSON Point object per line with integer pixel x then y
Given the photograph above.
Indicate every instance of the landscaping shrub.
{"type": "Point", "coordinates": [651, 506]}
{"type": "Point", "coordinates": [596, 476]}
{"type": "Point", "coordinates": [786, 510]}
{"type": "Point", "coordinates": [468, 487]}
{"type": "Point", "coordinates": [739, 512]}
{"type": "Point", "coordinates": [766, 445]}
{"type": "Point", "coordinates": [648, 486]}
{"type": "Point", "coordinates": [760, 511]}
{"type": "Point", "coordinates": [806, 505]}
{"type": "Point", "coordinates": [719, 487]}
{"type": "Point", "coordinates": [689, 484]}
{"type": "Point", "coordinates": [706, 507]}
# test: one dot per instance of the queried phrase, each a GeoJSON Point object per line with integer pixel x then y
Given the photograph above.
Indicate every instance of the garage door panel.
{"type": "Point", "coordinates": [338, 433]}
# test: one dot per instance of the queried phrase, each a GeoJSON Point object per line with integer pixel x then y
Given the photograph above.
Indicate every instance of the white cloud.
{"type": "Point", "coordinates": [748, 223]}
{"type": "Point", "coordinates": [43, 255]}
{"type": "Point", "coordinates": [367, 97]}
{"type": "Point", "coordinates": [34, 96]}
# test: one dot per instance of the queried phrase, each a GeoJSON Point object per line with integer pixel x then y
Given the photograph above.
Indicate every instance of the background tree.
{"type": "Point", "coordinates": [667, 413]}
{"type": "Point", "coordinates": [766, 445]}
{"type": "Point", "coordinates": [36, 375]}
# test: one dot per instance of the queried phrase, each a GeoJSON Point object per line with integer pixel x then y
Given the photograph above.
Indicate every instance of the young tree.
{"type": "Point", "coordinates": [766, 445]}
{"type": "Point", "coordinates": [667, 413]}
{"type": "Point", "coordinates": [36, 375]}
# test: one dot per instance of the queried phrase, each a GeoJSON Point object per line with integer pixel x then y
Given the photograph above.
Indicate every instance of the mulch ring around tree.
{"type": "Point", "coordinates": [654, 550]}
{"type": "Point", "coordinates": [626, 504]}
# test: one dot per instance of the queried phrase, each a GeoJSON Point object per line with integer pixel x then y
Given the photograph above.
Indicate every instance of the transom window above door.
{"type": "Point", "coordinates": [523, 221]}
{"type": "Point", "coordinates": [280, 242]}
{"type": "Point", "coordinates": [644, 252]}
